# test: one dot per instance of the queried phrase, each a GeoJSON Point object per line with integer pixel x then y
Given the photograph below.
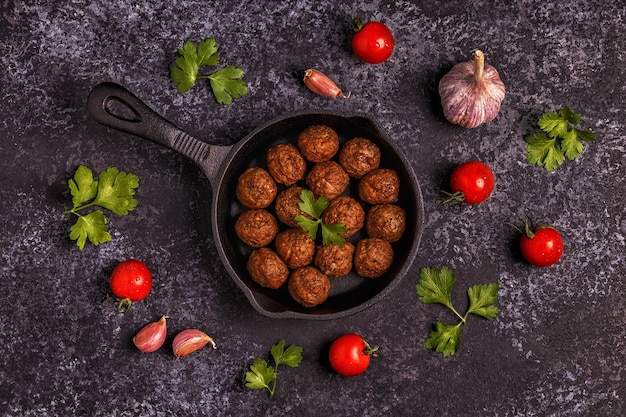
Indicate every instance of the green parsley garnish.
{"type": "Point", "coordinates": [226, 83]}
{"type": "Point", "coordinates": [331, 233]}
{"type": "Point", "coordinates": [434, 287]}
{"type": "Point", "coordinates": [563, 140]}
{"type": "Point", "coordinates": [113, 190]}
{"type": "Point", "coordinates": [263, 376]}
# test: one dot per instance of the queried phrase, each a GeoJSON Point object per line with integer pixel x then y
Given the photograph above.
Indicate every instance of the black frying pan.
{"type": "Point", "coordinates": [113, 106]}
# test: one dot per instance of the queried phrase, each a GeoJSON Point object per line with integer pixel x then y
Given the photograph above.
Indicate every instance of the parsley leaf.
{"type": "Point", "coordinates": [543, 151]}
{"type": "Point", "coordinates": [560, 139]}
{"type": "Point", "coordinates": [116, 190]}
{"type": "Point", "coordinates": [445, 339]}
{"type": "Point", "coordinates": [226, 83]}
{"type": "Point", "coordinates": [263, 376]}
{"type": "Point", "coordinates": [113, 190]}
{"type": "Point", "coordinates": [482, 298]}
{"type": "Point", "coordinates": [435, 287]}
{"type": "Point", "coordinates": [311, 206]}
{"type": "Point", "coordinates": [260, 375]}
{"type": "Point", "coordinates": [207, 52]}
{"type": "Point", "coordinates": [308, 225]}
{"type": "Point", "coordinates": [331, 233]}
{"type": "Point", "coordinates": [92, 226]}
{"type": "Point", "coordinates": [83, 187]}
{"type": "Point", "coordinates": [190, 59]}
{"type": "Point", "coordinates": [292, 356]}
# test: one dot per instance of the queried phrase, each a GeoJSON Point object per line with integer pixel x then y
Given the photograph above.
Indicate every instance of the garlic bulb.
{"type": "Point", "coordinates": [471, 93]}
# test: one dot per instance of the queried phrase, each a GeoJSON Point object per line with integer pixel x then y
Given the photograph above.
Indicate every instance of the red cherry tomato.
{"type": "Point", "coordinates": [350, 355]}
{"type": "Point", "coordinates": [130, 281]}
{"type": "Point", "coordinates": [542, 246]}
{"type": "Point", "coordinates": [373, 42]}
{"type": "Point", "coordinates": [471, 182]}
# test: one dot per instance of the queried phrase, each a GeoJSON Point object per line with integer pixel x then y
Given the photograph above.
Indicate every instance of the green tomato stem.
{"type": "Point", "coordinates": [457, 196]}
{"type": "Point", "coordinates": [124, 305]}
{"type": "Point", "coordinates": [357, 24]}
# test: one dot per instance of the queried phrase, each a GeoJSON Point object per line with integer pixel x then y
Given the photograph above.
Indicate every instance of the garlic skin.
{"type": "Point", "coordinates": [321, 85]}
{"type": "Point", "coordinates": [190, 340]}
{"type": "Point", "coordinates": [471, 93]}
{"type": "Point", "coordinates": [152, 336]}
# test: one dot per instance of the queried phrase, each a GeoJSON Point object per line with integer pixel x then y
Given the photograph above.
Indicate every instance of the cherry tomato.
{"type": "Point", "coordinates": [542, 246]}
{"type": "Point", "coordinates": [373, 42]}
{"type": "Point", "coordinates": [350, 354]}
{"type": "Point", "coordinates": [471, 182]}
{"type": "Point", "coordinates": [130, 281]}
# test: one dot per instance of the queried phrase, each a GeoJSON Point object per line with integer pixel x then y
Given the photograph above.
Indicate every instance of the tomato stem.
{"type": "Point", "coordinates": [457, 196]}
{"type": "Point", "coordinates": [369, 350]}
{"type": "Point", "coordinates": [528, 226]}
{"type": "Point", "coordinates": [357, 23]}
{"type": "Point", "coordinates": [124, 305]}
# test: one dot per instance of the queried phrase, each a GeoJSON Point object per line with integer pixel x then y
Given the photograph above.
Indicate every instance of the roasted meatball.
{"type": "Point", "coordinates": [386, 221]}
{"type": "Point", "coordinates": [318, 143]}
{"type": "Point", "coordinates": [334, 260]}
{"type": "Point", "coordinates": [286, 164]}
{"type": "Point", "coordinates": [372, 257]}
{"type": "Point", "coordinates": [267, 269]}
{"type": "Point", "coordinates": [308, 286]}
{"type": "Point", "coordinates": [327, 179]}
{"type": "Point", "coordinates": [256, 227]}
{"type": "Point", "coordinates": [256, 188]}
{"type": "Point", "coordinates": [347, 211]}
{"type": "Point", "coordinates": [380, 186]}
{"type": "Point", "coordinates": [358, 156]}
{"type": "Point", "coordinates": [295, 247]}
{"type": "Point", "coordinates": [287, 205]}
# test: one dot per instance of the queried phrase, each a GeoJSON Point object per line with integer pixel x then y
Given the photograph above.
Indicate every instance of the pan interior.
{"type": "Point", "coordinates": [351, 293]}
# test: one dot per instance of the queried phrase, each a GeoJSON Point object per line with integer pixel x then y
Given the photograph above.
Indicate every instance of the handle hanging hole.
{"type": "Point", "coordinates": [120, 109]}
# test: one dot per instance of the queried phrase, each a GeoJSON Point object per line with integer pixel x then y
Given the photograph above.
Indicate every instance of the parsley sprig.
{"type": "Point", "coordinates": [434, 287]}
{"type": "Point", "coordinates": [331, 233]}
{"type": "Point", "coordinates": [263, 376]}
{"type": "Point", "coordinates": [563, 140]}
{"type": "Point", "coordinates": [113, 190]}
{"type": "Point", "coordinates": [226, 83]}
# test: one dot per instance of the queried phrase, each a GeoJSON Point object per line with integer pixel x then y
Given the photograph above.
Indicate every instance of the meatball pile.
{"type": "Point", "coordinates": [283, 253]}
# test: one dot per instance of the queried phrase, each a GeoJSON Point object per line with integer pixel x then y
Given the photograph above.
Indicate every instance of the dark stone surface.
{"type": "Point", "coordinates": [557, 347]}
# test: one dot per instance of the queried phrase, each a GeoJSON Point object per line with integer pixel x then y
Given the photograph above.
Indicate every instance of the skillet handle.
{"type": "Point", "coordinates": [114, 106]}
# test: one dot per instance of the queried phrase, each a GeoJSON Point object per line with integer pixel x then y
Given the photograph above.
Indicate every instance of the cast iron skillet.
{"type": "Point", "coordinates": [113, 106]}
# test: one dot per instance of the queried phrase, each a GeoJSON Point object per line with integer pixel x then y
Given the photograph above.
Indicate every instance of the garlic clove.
{"type": "Point", "coordinates": [190, 340]}
{"type": "Point", "coordinates": [321, 85]}
{"type": "Point", "coordinates": [152, 336]}
{"type": "Point", "coordinates": [471, 92]}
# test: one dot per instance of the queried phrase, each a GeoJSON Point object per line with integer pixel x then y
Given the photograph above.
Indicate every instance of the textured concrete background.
{"type": "Point", "coordinates": [556, 349]}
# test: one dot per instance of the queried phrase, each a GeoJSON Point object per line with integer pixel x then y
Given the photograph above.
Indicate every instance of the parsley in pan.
{"type": "Point", "coordinates": [331, 233]}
